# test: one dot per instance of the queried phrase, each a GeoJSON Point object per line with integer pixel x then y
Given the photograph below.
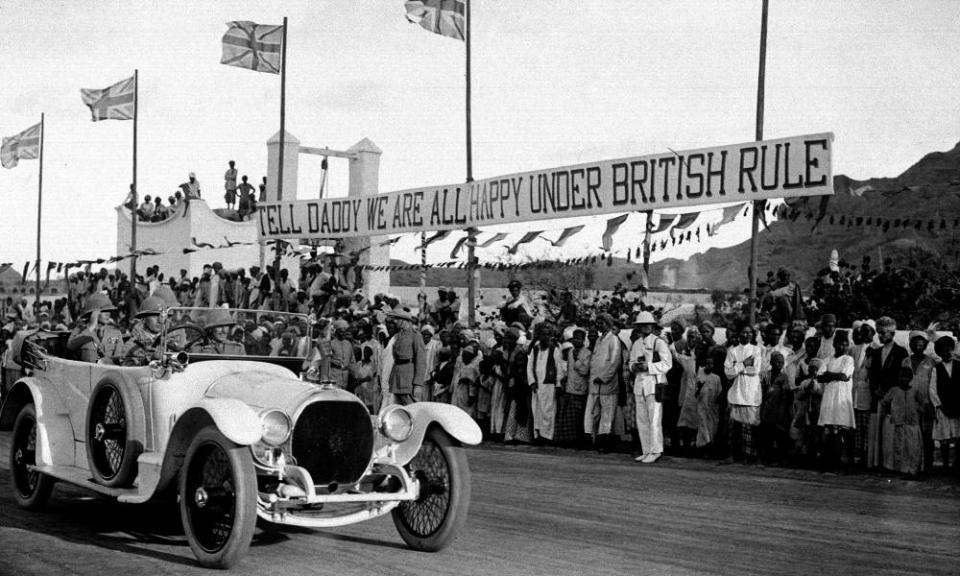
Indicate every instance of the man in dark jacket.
{"type": "Point", "coordinates": [883, 371]}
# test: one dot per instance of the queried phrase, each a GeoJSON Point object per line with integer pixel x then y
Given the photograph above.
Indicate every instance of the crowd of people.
{"type": "Point", "coordinates": [610, 378]}
{"type": "Point", "coordinates": [240, 198]}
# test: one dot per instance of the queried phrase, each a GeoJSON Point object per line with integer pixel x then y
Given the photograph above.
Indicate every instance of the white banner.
{"type": "Point", "coordinates": [787, 167]}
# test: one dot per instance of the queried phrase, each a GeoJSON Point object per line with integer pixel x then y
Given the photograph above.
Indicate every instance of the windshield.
{"type": "Point", "coordinates": [232, 333]}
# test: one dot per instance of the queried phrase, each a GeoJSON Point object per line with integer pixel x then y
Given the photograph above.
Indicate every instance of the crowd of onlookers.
{"type": "Point", "coordinates": [608, 376]}
{"type": "Point", "coordinates": [240, 197]}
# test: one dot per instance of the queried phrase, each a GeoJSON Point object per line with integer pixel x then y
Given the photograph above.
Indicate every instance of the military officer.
{"type": "Point", "coordinates": [145, 335]}
{"type": "Point", "coordinates": [409, 358]}
{"type": "Point", "coordinates": [87, 338]}
{"type": "Point", "coordinates": [217, 323]}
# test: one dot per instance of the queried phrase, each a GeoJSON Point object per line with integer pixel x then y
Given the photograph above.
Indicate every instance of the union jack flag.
{"type": "Point", "coordinates": [253, 46]}
{"type": "Point", "coordinates": [113, 103]}
{"type": "Point", "coordinates": [444, 17]}
{"type": "Point", "coordinates": [25, 145]}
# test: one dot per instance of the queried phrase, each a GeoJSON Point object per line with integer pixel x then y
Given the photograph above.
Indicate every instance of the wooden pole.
{"type": "Point", "coordinates": [758, 205]}
{"type": "Point", "coordinates": [277, 246]}
{"type": "Point", "coordinates": [423, 261]}
{"type": "Point", "coordinates": [36, 302]}
{"type": "Point", "coordinates": [473, 272]}
{"type": "Point", "coordinates": [136, 201]}
{"type": "Point", "coordinates": [648, 233]}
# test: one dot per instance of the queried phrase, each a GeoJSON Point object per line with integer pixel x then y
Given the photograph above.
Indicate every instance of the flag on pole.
{"type": "Point", "coordinates": [22, 146]}
{"type": "Point", "coordinates": [613, 225]}
{"type": "Point", "coordinates": [113, 103]}
{"type": "Point", "coordinates": [443, 17]}
{"type": "Point", "coordinates": [253, 46]}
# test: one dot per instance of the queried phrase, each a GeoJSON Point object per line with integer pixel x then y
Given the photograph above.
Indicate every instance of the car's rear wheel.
{"type": "Point", "coordinates": [31, 488]}
{"type": "Point", "coordinates": [218, 499]}
{"type": "Point", "coordinates": [433, 521]}
{"type": "Point", "coordinates": [110, 450]}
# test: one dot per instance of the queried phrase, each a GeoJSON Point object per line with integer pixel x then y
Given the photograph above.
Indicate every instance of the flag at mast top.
{"type": "Point", "coordinates": [443, 17]}
{"type": "Point", "coordinates": [22, 146]}
{"type": "Point", "coordinates": [253, 46]}
{"type": "Point", "coordinates": [113, 103]}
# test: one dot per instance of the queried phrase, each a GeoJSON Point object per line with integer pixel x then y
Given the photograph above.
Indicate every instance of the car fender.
{"type": "Point", "coordinates": [453, 420]}
{"type": "Point", "coordinates": [54, 432]}
{"type": "Point", "coordinates": [238, 421]}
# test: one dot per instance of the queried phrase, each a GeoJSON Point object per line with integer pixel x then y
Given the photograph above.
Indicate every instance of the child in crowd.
{"type": "Point", "coordinates": [776, 412]}
{"type": "Point", "coordinates": [945, 397]}
{"type": "Point", "coordinates": [806, 406]}
{"type": "Point", "coordinates": [708, 406]}
{"type": "Point", "coordinates": [365, 378]}
{"type": "Point", "coordinates": [904, 403]}
{"type": "Point", "coordinates": [442, 376]}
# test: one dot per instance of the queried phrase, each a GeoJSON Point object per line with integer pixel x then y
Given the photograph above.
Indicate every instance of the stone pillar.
{"type": "Point", "coordinates": [291, 157]}
{"type": "Point", "coordinates": [365, 181]}
{"type": "Point", "coordinates": [291, 161]}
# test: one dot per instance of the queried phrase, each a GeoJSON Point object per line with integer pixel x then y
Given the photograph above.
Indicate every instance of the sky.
{"type": "Point", "coordinates": [555, 83]}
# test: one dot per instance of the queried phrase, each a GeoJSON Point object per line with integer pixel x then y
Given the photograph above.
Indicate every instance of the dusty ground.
{"type": "Point", "coordinates": [556, 512]}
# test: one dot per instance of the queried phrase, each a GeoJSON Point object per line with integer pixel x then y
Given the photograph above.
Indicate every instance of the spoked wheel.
{"type": "Point", "coordinates": [218, 499]}
{"type": "Point", "coordinates": [111, 453]}
{"type": "Point", "coordinates": [32, 489]}
{"type": "Point", "coordinates": [434, 520]}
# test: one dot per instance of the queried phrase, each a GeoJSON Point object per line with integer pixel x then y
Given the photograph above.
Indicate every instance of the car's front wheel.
{"type": "Point", "coordinates": [436, 517]}
{"type": "Point", "coordinates": [218, 499]}
{"type": "Point", "coordinates": [31, 488]}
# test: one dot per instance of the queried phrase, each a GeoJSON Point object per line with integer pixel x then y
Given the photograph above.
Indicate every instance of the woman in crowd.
{"type": "Point", "coordinates": [836, 418]}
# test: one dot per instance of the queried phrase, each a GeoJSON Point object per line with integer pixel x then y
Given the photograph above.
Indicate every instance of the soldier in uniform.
{"type": "Point", "coordinates": [409, 359]}
{"type": "Point", "coordinates": [341, 354]}
{"type": "Point", "coordinates": [87, 338]}
{"type": "Point", "coordinates": [144, 341]}
{"type": "Point", "coordinates": [217, 323]}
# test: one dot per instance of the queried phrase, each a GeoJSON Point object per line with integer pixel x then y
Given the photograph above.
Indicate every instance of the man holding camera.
{"type": "Point", "coordinates": [650, 360]}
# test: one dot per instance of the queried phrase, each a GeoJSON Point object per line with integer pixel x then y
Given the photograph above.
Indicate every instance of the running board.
{"type": "Point", "coordinates": [143, 489]}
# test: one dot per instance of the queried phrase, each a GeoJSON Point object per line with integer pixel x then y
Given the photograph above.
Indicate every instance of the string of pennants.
{"type": "Point", "coordinates": [679, 227]}
{"type": "Point", "coordinates": [671, 222]}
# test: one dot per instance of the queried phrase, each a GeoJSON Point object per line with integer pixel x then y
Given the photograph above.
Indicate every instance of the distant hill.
{"type": "Point", "coordinates": [928, 191]}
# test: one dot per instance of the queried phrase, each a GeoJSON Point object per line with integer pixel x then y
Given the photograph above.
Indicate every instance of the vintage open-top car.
{"type": "Point", "coordinates": [237, 436]}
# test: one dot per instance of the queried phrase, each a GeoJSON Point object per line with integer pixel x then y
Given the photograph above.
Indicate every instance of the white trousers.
{"type": "Point", "coordinates": [649, 414]}
{"type": "Point", "coordinates": [607, 408]}
{"type": "Point", "coordinates": [544, 404]}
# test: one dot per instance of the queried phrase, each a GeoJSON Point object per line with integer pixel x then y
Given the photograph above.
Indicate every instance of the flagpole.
{"type": "Point", "coordinates": [283, 144]}
{"type": "Point", "coordinates": [423, 261]}
{"type": "Point", "coordinates": [39, 215]}
{"type": "Point", "coordinates": [648, 233]}
{"type": "Point", "coordinates": [136, 200]}
{"type": "Point", "coordinates": [757, 207]}
{"type": "Point", "coordinates": [473, 272]}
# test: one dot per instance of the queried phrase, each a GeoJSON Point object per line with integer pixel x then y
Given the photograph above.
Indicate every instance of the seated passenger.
{"type": "Point", "coordinates": [86, 339]}
{"type": "Point", "coordinates": [288, 344]}
{"type": "Point", "coordinates": [144, 341]}
{"type": "Point", "coordinates": [217, 323]}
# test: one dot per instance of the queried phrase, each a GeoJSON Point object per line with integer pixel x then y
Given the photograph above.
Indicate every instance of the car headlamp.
{"type": "Point", "coordinates": [396, 424]}
{"type": "Point", "coordinates": [275, 427]}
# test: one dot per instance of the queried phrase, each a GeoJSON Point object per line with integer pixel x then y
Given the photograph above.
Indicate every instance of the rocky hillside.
{"type": "Point", "coordinates": [915, 215]}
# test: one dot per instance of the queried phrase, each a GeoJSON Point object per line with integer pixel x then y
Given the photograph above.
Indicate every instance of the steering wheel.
{"type": "Point", "coordinates": [203, 339]}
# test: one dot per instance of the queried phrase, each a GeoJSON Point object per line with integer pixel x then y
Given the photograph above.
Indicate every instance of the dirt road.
{"type": "Point", "coordinates": [550, 512]}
